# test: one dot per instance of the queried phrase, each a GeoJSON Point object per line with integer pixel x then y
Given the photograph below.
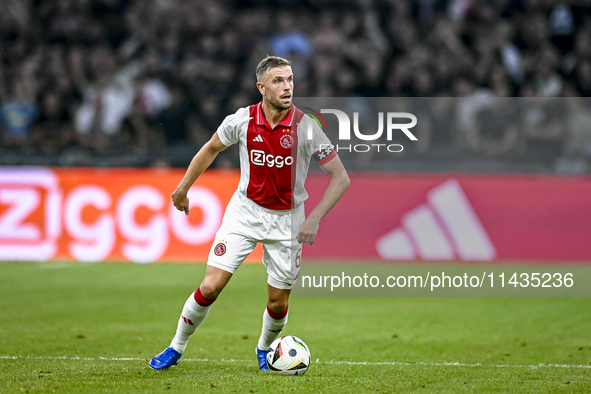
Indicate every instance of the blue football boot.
{"type": "Point", "coordinates": [168, 358]}
{"type": "Point", "coordinates": [262, 356]}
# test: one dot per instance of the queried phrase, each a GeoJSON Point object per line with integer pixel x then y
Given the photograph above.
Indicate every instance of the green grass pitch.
{"type": "Point", "coordinates": [93, 327]}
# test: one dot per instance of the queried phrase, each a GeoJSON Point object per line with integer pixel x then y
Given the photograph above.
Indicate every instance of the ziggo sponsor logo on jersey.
{"type": "Point", "coordinates": [261, 158]}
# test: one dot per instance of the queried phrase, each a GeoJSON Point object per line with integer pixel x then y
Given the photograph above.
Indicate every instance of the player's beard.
{"type": "Point", "coordinates": [278, 105]}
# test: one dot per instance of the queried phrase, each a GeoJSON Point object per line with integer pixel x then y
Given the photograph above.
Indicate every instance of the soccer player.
{"type": "Point", "coordinates": [276, 142]}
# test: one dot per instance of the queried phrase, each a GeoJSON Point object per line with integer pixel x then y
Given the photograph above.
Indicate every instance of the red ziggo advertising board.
{"type": "Point", "coordinates": [127, 215]}
{"type": "Point", "coordinates": [109, 214]}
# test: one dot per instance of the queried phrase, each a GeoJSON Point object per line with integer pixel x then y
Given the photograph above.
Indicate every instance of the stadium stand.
{"type": "Point", "coordinates": [145, 83]}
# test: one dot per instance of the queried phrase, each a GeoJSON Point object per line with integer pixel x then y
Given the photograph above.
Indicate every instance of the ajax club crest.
{"type": "Point", "coordinates": [286, 141]}
{"type": "Point", "coordinates": [219, 249]}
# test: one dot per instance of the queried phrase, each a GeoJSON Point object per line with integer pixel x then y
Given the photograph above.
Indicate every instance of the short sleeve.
{"type": "Point", "coordinates": [319, 146]}
{"type": "Point", "coordinates": [229, 130]}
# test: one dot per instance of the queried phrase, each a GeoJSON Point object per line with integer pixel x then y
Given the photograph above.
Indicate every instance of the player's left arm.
{"type": "Point", "coordinates": [338, 185]}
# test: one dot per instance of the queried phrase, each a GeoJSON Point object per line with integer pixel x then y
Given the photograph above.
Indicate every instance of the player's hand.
{"type": "Point", "coordinates": [181, 201]}
{"type": "Point", "coordinates": [308, 231]}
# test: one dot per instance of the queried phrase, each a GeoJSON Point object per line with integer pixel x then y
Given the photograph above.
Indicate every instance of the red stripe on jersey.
{"type": "Point", "coordinates": [272, 158]}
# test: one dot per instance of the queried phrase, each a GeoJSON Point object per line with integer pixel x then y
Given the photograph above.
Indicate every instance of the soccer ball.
{"type": "Point", "coordinates": [288, 355]}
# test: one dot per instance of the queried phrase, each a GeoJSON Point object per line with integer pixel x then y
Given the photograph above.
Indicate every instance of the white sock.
{"type": "Point", "coordinates": [191, 318]}
{"type": "Point", "coordinates": [271, 330]}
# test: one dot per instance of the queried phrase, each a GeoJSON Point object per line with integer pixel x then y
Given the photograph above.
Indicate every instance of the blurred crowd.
{"type": "Point", "coordinates": [146, 83]}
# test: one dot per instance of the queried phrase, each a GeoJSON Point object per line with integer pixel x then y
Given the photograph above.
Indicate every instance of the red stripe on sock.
{"type": "Point", "coordinates": [202, 300]}
{"type": "Point", "coordinates": [277, 316]}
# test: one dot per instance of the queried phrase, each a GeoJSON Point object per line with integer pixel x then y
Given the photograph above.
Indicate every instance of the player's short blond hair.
{"type": "Point", "coordinates": [268, 63]}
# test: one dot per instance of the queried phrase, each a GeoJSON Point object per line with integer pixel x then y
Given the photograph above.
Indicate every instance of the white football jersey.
{"type": "Point", "coordinates": [274, 162]}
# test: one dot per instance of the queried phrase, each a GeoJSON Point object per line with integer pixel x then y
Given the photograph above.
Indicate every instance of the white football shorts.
{"type": "Point", "coordinates": [244, 225]}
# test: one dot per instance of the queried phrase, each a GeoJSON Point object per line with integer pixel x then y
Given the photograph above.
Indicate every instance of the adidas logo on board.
{"type": "Point", "coordinates": [445, 228]}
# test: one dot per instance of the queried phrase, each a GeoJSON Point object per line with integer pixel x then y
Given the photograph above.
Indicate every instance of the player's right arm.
{"type": "Point", "coordinates": [200, 163]}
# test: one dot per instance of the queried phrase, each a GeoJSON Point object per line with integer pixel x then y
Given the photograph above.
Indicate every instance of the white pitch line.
{"type": "Point", "coordinates": [453, 364]}
{"type": "Point", "coordinates": [49, 266]}
{"type": "Point", "coordinates": [318, 361]}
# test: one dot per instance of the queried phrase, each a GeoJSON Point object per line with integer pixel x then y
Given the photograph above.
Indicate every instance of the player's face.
{"type": "Point", "coordinates": [277, 87]}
